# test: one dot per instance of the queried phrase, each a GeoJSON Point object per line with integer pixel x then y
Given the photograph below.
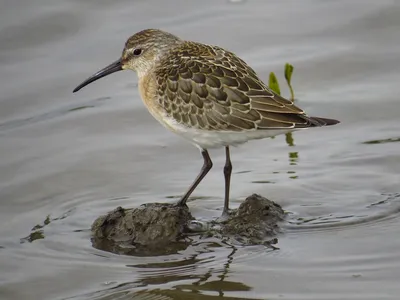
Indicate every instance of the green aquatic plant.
{"type": "Point", "coordinates": [288, 76]}
{"type": "Point", "coordinates": [274, 85]}
{"type": "Point", "coordinates": [37, 231]}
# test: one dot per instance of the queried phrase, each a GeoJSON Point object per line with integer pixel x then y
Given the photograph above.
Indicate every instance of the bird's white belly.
{"type": "Point", "coordinates": [206, 139]}
{"type": "Point", "coordinates": [215, 139]}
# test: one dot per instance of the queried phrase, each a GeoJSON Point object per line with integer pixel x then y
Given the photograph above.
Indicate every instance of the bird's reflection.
{"type": "Point", "coordinates": [212, 283]}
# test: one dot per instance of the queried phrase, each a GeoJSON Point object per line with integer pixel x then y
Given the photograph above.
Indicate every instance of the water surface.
{"type": "Point", "coordinates": [67, 158]}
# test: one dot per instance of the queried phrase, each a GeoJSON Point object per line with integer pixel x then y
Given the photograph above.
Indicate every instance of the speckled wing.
{"type": "Point", "coordinates": [207, 87]}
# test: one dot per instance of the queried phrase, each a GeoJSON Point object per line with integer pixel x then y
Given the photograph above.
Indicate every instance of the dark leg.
{"type": "Point", "coordinates": [227, 174]}
{"type": "Point", "coordinates": [207, 165]}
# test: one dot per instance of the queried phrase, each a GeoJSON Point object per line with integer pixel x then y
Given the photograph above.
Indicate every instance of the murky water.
{"type": "Point", "coordinates": [65, 158]}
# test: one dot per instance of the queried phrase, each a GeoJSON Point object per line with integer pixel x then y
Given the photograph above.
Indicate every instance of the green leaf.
{"type": "Point", "coordinates": [273, 83]}
{"type": "Point", "coordinates": [288, 75]}
{"type": "Point", "coordinates": [274, 86]}
{"type": "Point", "coordinates": [288, 72]}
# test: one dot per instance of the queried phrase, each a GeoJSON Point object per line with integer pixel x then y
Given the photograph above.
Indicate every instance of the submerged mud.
{"type": "Point", "coordinates": [163, 228]}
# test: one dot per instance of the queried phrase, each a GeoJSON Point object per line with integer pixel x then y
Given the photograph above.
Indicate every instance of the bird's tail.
{"type": "Point", "coordinates": [323, 121]}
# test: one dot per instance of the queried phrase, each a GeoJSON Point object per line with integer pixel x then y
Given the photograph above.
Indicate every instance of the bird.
{"type": "Point", "coordinates": [207, 95]}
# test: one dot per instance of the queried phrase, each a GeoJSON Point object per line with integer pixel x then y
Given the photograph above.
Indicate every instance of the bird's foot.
{"type": "Point", "coordinates": [224, 216]}
{"type": "Point", "coordinates": [181, 203]}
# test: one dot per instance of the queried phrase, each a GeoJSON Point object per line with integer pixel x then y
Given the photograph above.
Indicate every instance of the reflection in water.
{"type": "Point", "coordinates": [293, 176]}
{"type": "Point", "coordinates": [175, 294]}
{"type": "Point", "coordinates": [274, 85]}
{"type": "Point", "coordinates": [289, 139]}
{"type": "Point", "coordinates": [293, 158]}
{"type": "Point", "coordinates": [211, 284]}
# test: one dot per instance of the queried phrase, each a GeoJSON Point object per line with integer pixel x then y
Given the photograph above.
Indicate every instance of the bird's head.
{"type": "Point", "coordinates": [141, 52]}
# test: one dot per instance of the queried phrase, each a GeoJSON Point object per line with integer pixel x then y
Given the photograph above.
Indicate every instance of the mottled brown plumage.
{"type": "Point", "coordinates": [206, 94]}
{"type": "Point", "coordinates": [213, 89]}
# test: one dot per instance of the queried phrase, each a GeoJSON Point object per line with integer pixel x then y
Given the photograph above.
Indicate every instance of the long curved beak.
{"type": "Point", "coordinates": [112, 68]}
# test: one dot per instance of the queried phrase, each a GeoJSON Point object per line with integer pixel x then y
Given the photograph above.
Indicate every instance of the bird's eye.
{"type": "Point", "coordinates": [137, 52]}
